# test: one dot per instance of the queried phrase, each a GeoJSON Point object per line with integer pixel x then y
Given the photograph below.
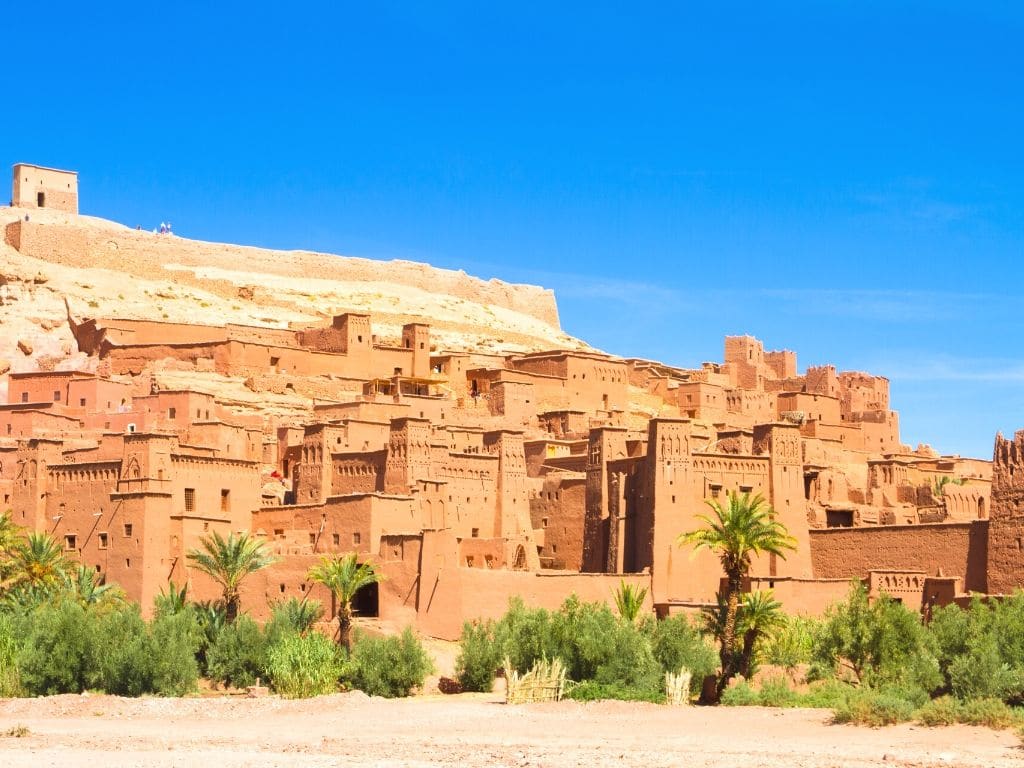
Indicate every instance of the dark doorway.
{"type": "Point", "coordinates": [40, 199]}
{"type": "Point", "coordinates": [367, 602]}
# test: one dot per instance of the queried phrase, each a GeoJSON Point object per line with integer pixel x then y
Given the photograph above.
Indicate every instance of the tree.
{"type": "Point", "coordinates": [629, 600]}
{"type": "Point", "coordinates": [738, 531]}
{"type": "Point", "coordinates": [760, 615]}
{"type": "Point", "coordinates": [80, 583]}
{"type": "Point", "coordinates": [10, 534]}
{"type": "Point", "coordinates": [36, 562]}
{"type": "Point", "coordinates": [228, 561]}
{"type": "Point", "coordinates": [344, 575]}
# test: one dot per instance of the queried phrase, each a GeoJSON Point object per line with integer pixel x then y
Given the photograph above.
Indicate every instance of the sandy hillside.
{"type": "Point", "coordinates": [104, 269]}
{"type": "Point", "coordinates": [464, 732]}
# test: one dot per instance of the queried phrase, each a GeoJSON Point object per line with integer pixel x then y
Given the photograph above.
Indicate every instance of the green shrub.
{"type": "Point", "coordinates": [944, 710]}
{"type": "Point", "coordinates": [992, 713]}
{"type": "Point", "coordinates": [59, 654]}
{"type": "Point", "coordinates": [479, 657]}
{"type": "Point", "coordinates": [825, 694]}
{"type": "Point", "coordinates": [389, 666]}
{"type": "Point", "coordinates": [174, 642]}
{"type": "Point", "coordinates": [523, 635]}
{"type": "Point", "coordinates": [740, 694]}
{"type": "Point", "coordinates": [776, 692]}
{"type": "Point", "coordinates": [629, 663]}
{"type": "Point", "coordinates": [124, 656]}
{"type": "Point", "coordinates": [305, 665]}
{"type": "Point", "coordinates": [10, 646]}
{"type": "Point", "coordinates": [676, 644]}
{"type": "Point", "coordinates": [292, 616]}
{"type": "Point", "coordinates": [238, 654]}
{"type": "Point", "coordinates": [591, 690]}
{"type": "Point", "coordinates": [866, 706]}
{"type": "Point", "coordinates": [791, 644]}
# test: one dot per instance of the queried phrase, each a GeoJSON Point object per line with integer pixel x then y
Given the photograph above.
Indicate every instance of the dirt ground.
{"type": "Point", "coordinates": [465, 731]}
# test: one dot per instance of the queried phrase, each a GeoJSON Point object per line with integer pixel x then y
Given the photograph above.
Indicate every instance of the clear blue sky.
{"type": "Point", "coordinates": [842, 179]}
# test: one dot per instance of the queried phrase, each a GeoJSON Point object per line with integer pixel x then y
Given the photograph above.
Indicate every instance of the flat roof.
{"type": "Point", "coordinates": [43, 168]}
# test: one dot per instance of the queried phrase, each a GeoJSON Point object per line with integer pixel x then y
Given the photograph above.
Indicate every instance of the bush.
{"type": "Point", "coordinates": [305, 665]}
{"type": "Point", "coordinates": [59, 654]}
{"type": "Point", "coordinates": [591, 690]}
{"type": "Point", "coordinates": [174, 641]}
{"type": "Point", "coordinates": [777, 693]}
{"type": "Point", "coordinates": [124, 654]}
{"type": "Point", "coordinates": [523, 635]}
{"type": "Point", "coordinates": [10, 646]}
{"type": "Point", "coordinates": [389, 666]}
{"type": "Point", "coordinates": [791, 644]}
{"type": "Point", "coordinates": [676, 644]}
{"type": "Point", "coordinates": [238, 654]}
{"type": "Point", "coordinates": [293, 616]}
{"type": "Point", "coordinates": [867, 706]}
{"type": "Point", "coordinates": [944, 710]}
{"type": "Point", "coordinates": [992, 713]}
{"type": "Point", "coordinates": [740, 694]}
{"type": "Point", "coordinates": [825, 694]}
{"type": "Point", "coordinates": [479, 657]}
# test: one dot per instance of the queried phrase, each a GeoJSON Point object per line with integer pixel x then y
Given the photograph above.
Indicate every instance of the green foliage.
{"type": "Point", "coordinates": [10, 646]}
{"type": "Point", "coordinates": [740, 694]}
{"type": "Point", "coordinates": [291, 617]}
{"type": "Point", "coordinates": [867, 706]}
{"type": "Point", "coordinates": [992, 713]}
{"type": "Point", "coordinates": [523, 635]}
{"type": "Point", "coordinates": [123, 653]}
{"type": "Point", "coordinates": [629, 600]}
{"type": "Point", "coordinates": [389, 666]}
{"type": "Point", "coordinates": [228, 562]}
{"type": "Point", "coordinates": [791, 644]}
{"type": "Point", "coordinates": [880, 643]}
{"type": "Point", "coordinates": [175, 639]}
{"type": "Point", "coordinates": [305, 665]}
{"type": "Point", "coordinates": [238, 654]}
{"type": "Point", "coordinates": [172, 601]}
{"type": "Point", "coordinates": [479, 657]}
{"type": "Point", "coordinates": [591, 690]}
{"type": "Point", "coordinates": [59, 654]}
{"type": "Point", "coordinates": [775, 692]}
{"type": "Point", "coordinates": [944, 710]}
{"type": "Point", "coordinates": [677, 644]}
{"type": "Point", "coordinates": [344, 575]}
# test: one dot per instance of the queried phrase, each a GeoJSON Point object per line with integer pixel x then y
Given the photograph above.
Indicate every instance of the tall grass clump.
{"type": "Point", "coordinates": [479, 657]}
{"type": "Point", "coordinates": [305, 665]}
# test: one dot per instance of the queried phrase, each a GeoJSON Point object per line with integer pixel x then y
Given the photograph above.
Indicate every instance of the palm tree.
{"type": "Point", "coordinates": [9, 536]}
{"type": "Point", "coordinates": [344, 575]}
{"type": "Point", "coordinates": [760, 615]}
{"type": "Point", "coordinates": [228, 561]}
{"type": "Point", "coordinates": [629, 600]}
{"type": "Point", "coordinates": [81, 584]}
{"type": "Point", "coordinates": [36, 562]}
{"type": "Point", "coordinates": [736, 533]}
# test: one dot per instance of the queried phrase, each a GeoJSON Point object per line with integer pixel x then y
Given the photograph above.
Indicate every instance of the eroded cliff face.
{"type": "Point", "coordinates": [104, 269]}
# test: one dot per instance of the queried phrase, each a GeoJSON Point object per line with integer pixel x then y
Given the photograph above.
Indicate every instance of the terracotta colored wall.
{"type": "Point", "coordinates": [959, 549]}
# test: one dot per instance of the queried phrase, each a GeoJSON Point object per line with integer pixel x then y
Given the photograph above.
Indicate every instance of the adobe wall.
{"type": "Point", "coordinates": [957, 549]}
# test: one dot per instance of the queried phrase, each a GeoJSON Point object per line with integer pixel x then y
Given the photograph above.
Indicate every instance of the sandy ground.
{"type": "Point", "coordinates": [465, 731]}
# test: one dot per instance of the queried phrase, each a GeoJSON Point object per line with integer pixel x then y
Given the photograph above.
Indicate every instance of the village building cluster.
{"type": "Point", "coordinates": [468, 478]}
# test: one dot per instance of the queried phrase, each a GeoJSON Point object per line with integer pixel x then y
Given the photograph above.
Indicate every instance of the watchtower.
{"type": "Point", "coordinates": [34, 186]}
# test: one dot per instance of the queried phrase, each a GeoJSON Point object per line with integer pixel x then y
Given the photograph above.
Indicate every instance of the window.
{"type": "Point", "coordinates": [40, 199]}
{"type": "Point", "coordinates": [56, 395]}
{"type": "Point", "coordinates": [357, 538]}
{"type": "Point", "coordinates": [102, 541]}
{"type": "Point", "coordinates": [282, 589]}
{"type": "Point", "coordinates": [127, 562]}
{"type": "Point", "coordinates": [71, 542]}
{"type": "Point", "coordinates": [225, 500]}
{"type": "Point", "coordinates": [475, 533]}
{"type": "Point", "coordinates": [312, 538]}
{"type": "Point", "coordinates": [172, 413]}
{"type": "Point", "coordinates": [81, 401]}
{"type": "Point", "coordinates": [190, 499]}
{"type": "Point", "coordinates": [336, 539]}
{"type": "Point", "coordinates": [127, 529]}
{"type": "Point", "coordinates": [24, 397]}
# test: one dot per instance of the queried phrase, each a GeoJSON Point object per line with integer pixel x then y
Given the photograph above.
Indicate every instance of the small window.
{"type": "Point", "coordinates": [71, 542]}
{"type": "Point", "coordinates": [225, 500]}
{"type": "Point", "coordinates": [357, 538]}
{"type": "Point", "coordinates": [190, 499]}
{"type": "Point", "coordinates": [127, 529]}
{"type": "Point", "coordinates": [102, 541]}
{"type": "Point", "coordinates": [336, 539]}
{"type": "Point", "coordinates": [40, 199]}
{"type": "Point", "coordinates": [172, 413]}
{"type": "Point", "coordinates": [282, 589]}
{"type": "Point", "coordinates": [81, 402]}
{"type": "Point", "coordinates": [24, 397]}
{"type": "Point", "coordinates": [279, 532]}
{"type": "Point", "coordinates": [127, 562]}
{"type": "Point", "coordinates": [312, 538]}
{"type": "Point", "coordinates": [56, 395]}
{"type": "Point", "coordinates": [475, 533]}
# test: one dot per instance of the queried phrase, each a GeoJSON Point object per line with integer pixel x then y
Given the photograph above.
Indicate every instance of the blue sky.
{"type": "Point", "coordinates": [842, 179]}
